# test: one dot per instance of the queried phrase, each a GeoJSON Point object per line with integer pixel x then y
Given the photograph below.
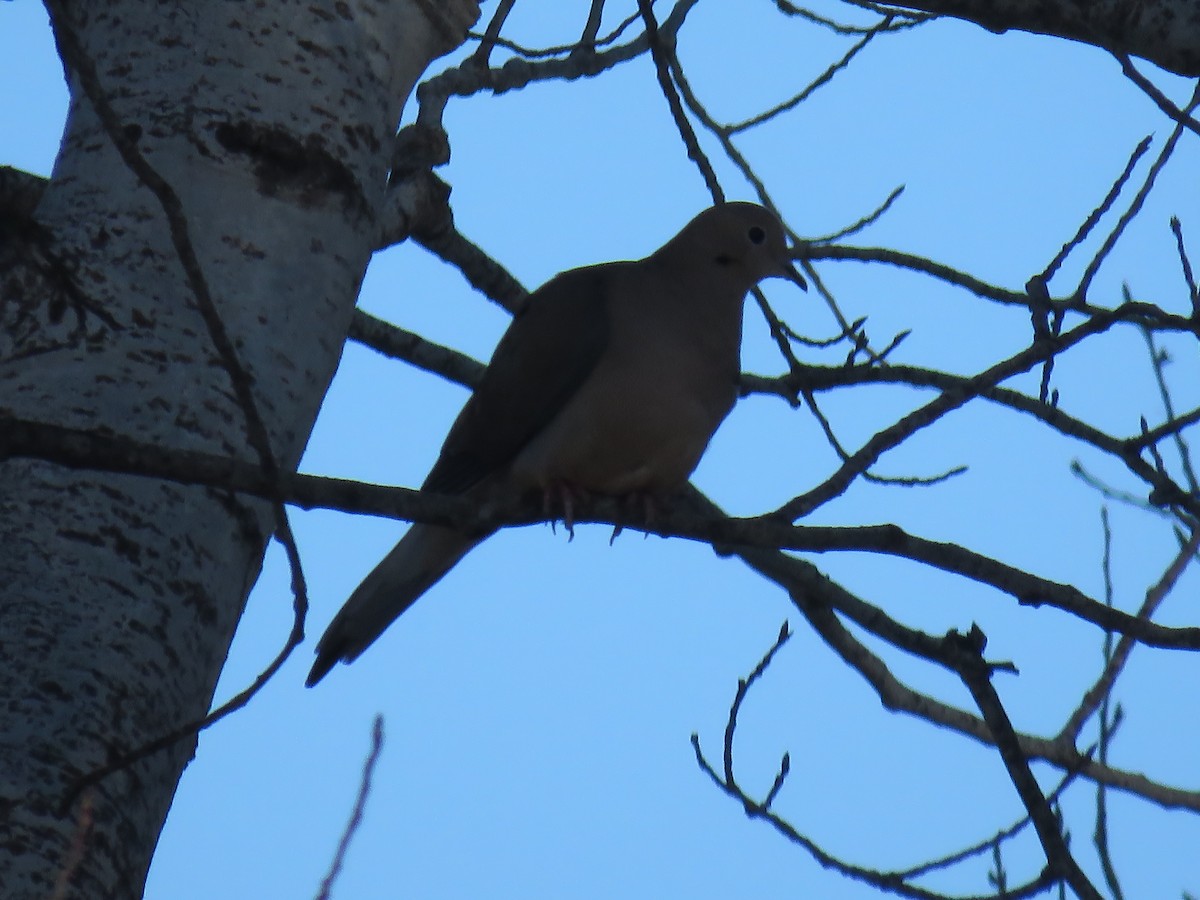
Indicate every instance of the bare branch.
{"type": "Point", "coordinates": [891, 436]}
{"type": "Point", "coordinates": [587, 40]}
{"type": "Point", "coordinates": [356, 815]}
{"type": "Point", "coordinates": [869, 219]}
{"type": "Point", "coordinates": [906, 481]}
{"type": "Point", "coordinates": [1156, 30]}
{"type": "Point", "coordinates": [1094, 217]}
{"type": "Point", "coordinates": [993, 842]}
{"type": "Point", "coordinates": [465, 80]}
{"type": "Point", "coordinates": [662, 49]}
{"type": "Point", "coordinates": [1182, 117]}
{"type": "Point", "coordinates": [893, 882]}
{"type": "Point", "coordinates": [977, 676]}
{"type": "Point", "coordinates": [1170, 428]}
{"type": "Point", "coordinates": [1115, 659]}
{"type": "Point", "coordinates": [821, 80]}
{"type": "Point", "coordinates": [917, 264]}
{"type": "Point", "coordinates": [744, 685]}
{"type": "Point", "coordinates": [1136, 204]}
{"type": "Point", "coordinates": [1193, 291]}
{"type": "Point", "coordinates": [909, 20]}
{"type": "Point", "coordinates": [482, 272]}
{"type": "Point", "coordinates": [397, 343]}
{"type": "Point", "coordinates": [822, 600]}
{"type": "Point", "coordinates": [702, 522]}
{"type": "Point", "coordinates": [1027, 589]}
{"type": "Point", "coordinates": [820, 378]}
{"type": "Point", "coordinates": [481, 56]}
{"type": "Point", "coordinates": [587, 43]}
{"type": "Point", "coordinates": [1108, 725]}
{"type": "Point", "coordinates": [1158, 363]}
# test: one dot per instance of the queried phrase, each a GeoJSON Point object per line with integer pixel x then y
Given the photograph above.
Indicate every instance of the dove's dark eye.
{"type": "Point", "coordinates": [756, 235]}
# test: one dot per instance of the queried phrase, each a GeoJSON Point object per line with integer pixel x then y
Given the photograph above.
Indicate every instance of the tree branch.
{"type": "Point", "coordinates": [1162, 31]}
{"type": "Point", "coordinates": [976, 674]}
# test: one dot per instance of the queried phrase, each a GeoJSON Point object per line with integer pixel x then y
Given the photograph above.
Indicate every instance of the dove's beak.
{"type": "Point", "coordinates": [789, 271]}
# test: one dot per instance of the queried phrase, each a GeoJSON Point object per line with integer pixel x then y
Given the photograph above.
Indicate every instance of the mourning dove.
{"type": "Point", "coordinates": [611, 380]}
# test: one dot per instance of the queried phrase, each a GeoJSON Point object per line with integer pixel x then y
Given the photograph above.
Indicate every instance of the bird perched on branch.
{"type": "Point", "coordinates": [611, 380]}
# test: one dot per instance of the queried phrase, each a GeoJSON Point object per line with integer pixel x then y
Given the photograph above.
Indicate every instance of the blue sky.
{"type": "Point", "coordinates": [538, 702]}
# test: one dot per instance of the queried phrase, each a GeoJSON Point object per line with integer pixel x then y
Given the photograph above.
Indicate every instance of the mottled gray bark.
{"type": "Point", "coordinates": [119, 595]}
{"type": "Point", "coordinates": [1166, 32]}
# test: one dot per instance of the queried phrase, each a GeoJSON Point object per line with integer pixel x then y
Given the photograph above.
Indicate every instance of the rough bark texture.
{"type": "Point", "coordinates": [119, 595]}
{"type": "Point", "coordinates": [1166, 32]}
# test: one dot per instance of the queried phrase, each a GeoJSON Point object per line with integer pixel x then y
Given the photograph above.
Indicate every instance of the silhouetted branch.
{"type": "Point", "coordinates": [356, 815]}
{"type": "Point", "coordinates": [1182, 117]}
{"type": "Point", "coordinates": [1135, 205]}
{"type": "Point", "coordinates": [1186, 264]}
{"type": "Point", "coordinates": [822, 79]}
{"type": "Point", "coordinates": [662, 50]}
{"type": "Point", "coordinates": [397, 343]}
{"type": "Point", "coordinates": [1116, 658]}
{"type": "Point", "coordinates": [1108, 725]}
{"type": "Point", "coordinates": [1094, 217]}
{"type": "Point", "coordinates": [893, 882]}
{"type": "Point", "coordinates": [697, 520]}
{"type": "Point", "coordinates": [976, 674]}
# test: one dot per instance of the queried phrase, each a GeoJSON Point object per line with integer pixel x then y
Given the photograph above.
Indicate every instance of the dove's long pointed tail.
{"type": "Point", "coordinates": [423, 555]}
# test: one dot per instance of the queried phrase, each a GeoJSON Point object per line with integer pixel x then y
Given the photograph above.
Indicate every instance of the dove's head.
{"type": "Point", "coordinates": [744, 240]}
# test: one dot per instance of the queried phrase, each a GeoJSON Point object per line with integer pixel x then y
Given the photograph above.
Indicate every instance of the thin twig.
{"type": "Point", "coordinates": [910, 19]}
{"type": "Point", "coordinates": [465, 80]}
{"type": "Point", "coordinates": [743, 688]}
{"type": "Point", "coordinates": [869, 219]}
{"type": "Point", "coordinates": [976, 676]}
{"type": "Point", "coordinates": [662, 50]}
{"type": "Point", "coordinates": [1105, 205]}
{"type": "Point", "coordinates": [1189, 279]}
{"type": "Point", "coordinates": [1171, 427]}
{"type": "Point", "coordinates": [822, 601]}
{"type": "Point", "coordinates": [817, 83]}
{"type": "Point", "coordinates": [915, 263]}
{"type": "Point", "coordinates": [588, 42]}
{"type": "Point", "coordinates": [1158, 363]}
{"type": "Point", "coordinates": [995, 840]}
{"type": "Point", "coordinates": [1136, 205]}
{"type": "Point", "coordinates": [1181, 116]}
{"type": "Point", "coordinates": [891, 436]}
{"type": "Point", "coordinates": [893, 882]}
{"type": "Point", "coordinates": [1115, 659]}
{"type": "Point", "coordinates": [903, 480]}
{"type": "Point", "coordinates": [356, 815]}
{"type": "Point", "coordinates": [1108, 724]}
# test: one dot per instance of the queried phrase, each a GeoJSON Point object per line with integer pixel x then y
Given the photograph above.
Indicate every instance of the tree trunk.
{"type": "Point", "coordinates": [274, 124]}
